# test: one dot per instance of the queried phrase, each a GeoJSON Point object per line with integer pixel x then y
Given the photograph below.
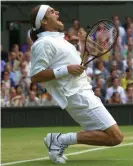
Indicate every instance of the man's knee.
{"type": "Point", "coordinates": [116, 139]}
{"type": "Point", "coordinates": [115, 135]}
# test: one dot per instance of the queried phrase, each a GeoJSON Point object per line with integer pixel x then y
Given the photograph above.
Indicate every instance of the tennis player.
{"type": "Point", "coordinates": [56, 62]}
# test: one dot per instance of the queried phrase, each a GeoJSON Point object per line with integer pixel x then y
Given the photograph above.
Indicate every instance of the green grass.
{"type": "Point", "coordinates": [27, 143]}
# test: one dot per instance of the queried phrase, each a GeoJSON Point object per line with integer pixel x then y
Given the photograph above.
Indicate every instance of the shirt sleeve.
{"type": "Point", "coordinates": [42, 55]}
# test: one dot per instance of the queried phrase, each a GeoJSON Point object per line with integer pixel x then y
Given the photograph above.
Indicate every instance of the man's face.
{"type": "Point", "coordinates": [97, 92]}
{"type": "Point", "coordinates": [116, 20]}
{"type": "Point", "coordinates": [13, 55]}
{"type": "Point", "coordinates": [32, 96]}
{"type": "Point", "coordinates": [129, 20]}
{"type": "Point", "coordinates": [129, 32]}
{"type": "Point", "coordinates": [6, 76]}
{"type": "Point", "coordinates": [114, 73]}
{"type": "Point", "coordinates": [76, 24]}
{"type": "Point", "coordinates": [116, 97]}
{"type": "Point", "coordinates": [15, 48]}
{"type": "Point", "coordinates": [130, 91]}
{"type": "Point", "coordinates": [52, 20]}
{"type": "Point", "coordinates": [116, 82]}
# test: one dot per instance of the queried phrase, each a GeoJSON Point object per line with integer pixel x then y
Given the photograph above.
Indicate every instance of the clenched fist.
{"type": "Point", "coordinates": [76, 70]}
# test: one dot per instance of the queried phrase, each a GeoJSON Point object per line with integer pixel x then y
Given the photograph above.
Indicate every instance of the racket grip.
{"type": "Point", "coordinates": [81, 63]}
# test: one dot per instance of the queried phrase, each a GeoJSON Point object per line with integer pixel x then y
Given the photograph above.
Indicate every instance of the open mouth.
{"type": "Point", "coordinates": [58, 19]}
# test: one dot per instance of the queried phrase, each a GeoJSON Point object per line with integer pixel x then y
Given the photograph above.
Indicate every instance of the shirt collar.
{"type": "Point", "coordinates": [53, 34]}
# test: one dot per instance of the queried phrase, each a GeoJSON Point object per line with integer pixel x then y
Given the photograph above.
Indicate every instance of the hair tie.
{"type": "Point", "coordinates": [34, 29]}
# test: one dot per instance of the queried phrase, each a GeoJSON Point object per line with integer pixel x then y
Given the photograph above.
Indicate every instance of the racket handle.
{"type": "Point", "coordinates": [81, 63]}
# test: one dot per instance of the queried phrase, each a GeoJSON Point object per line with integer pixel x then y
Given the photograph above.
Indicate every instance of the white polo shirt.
{"type": "Point", "coordinates": [52, 51]}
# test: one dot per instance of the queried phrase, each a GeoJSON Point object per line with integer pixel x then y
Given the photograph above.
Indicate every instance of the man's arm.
{"type": "Point", "coordinates": [45, 75]}
{"type": "Point", "coordinates": [49, 74]}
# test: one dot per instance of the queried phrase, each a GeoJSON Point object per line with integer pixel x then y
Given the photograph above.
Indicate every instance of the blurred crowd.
{"type": "Point", "coordinates": [110, 75]}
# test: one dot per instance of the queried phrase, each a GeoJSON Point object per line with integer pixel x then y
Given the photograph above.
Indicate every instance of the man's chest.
{"type": "Point", "coordinates": [65, 52]}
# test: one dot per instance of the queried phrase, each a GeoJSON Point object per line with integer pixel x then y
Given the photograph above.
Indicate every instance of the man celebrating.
{"type": "Point", "coordinates": [56, 62]}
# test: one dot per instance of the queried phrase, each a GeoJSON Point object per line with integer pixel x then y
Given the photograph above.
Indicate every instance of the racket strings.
{"type": "Point", "coordinates": [92, 46]}
{"type": "Point", "coordinates": [102, 42]}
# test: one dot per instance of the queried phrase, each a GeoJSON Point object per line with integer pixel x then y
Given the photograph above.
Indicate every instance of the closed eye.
{"type": "Point", "coordinates": [52, 11]}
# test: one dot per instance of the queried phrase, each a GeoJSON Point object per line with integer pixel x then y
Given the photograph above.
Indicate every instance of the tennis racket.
{"type": "Point", "coordinates": [100, 39]}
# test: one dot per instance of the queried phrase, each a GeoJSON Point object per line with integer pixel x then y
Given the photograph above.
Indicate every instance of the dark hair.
{"type": "Point", "coordinates": [114, 93]}
{"type": "Point", "coordinates": [116, 77]}
{"type": "Point", "coordinates": [33, 33]}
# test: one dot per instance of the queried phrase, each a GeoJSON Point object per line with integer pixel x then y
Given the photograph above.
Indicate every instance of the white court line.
{"type": "Point", "coordinates": [69, 154]}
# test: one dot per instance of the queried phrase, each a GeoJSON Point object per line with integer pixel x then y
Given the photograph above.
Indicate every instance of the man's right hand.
{"type": "Point", "coordinates": [76, 70]}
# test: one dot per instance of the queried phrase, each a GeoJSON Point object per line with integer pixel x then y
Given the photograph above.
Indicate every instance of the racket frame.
{"type": "Point", "coordinates": [94, 56]}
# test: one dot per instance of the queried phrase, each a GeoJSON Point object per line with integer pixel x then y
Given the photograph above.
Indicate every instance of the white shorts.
{"type": "Point", "coordinates": [87, 110]}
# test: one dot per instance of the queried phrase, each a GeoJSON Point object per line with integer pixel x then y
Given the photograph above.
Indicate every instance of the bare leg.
{"type": "Point", "coordinates": [110, 137]}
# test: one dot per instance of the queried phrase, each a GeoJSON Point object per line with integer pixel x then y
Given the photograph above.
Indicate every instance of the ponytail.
{"type": "Point", "coordinates": [33, 35]}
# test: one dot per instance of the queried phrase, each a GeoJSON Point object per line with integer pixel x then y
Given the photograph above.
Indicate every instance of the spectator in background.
{"type": "Point", "coordinates": [34, 87]}
{"type": "Point", "coordinates": [128, 22]}
{"type": "Point", "coordinates": [32, 100]}
{"type": "Point", "coordinates": [128, 49]}
{"type": "Point", "coordinates": [118, 59]}
{"type": "Point", "coordinates": [129, 94]}
{"type": "Point", "coordinates": [3, 95]}
{"type": "Point", "coordinates": [115, 88]}
{"type": "Point", "coordinates": [12, 97]}
{"type": "Point", "coordinates": [114, 73]}
{"type": "Point", "coordinates": [21, 73]}
{"type": "Point", "coordinates": [129, 34]}
{"type": "Point", "coordinates": [128, 62]}
{"type": "Point", "coordinates": [2, 90]}
{"type": "Point", "coordinates": [27, 61]}
{"type": "Point", "coordinates": [75, 29]}
{"type": "Point", "coordinates": [47, 100]}
{"type": "Point", "coordinates": [98, 93]}
{"type": "Point", "coordinates": [115, 99]}
{"type": "Point", "coordinates": [75, 41]}
{"type": "Point", "coordinates": [3, 63]}
{"type": "Point", "coordinates": [18, 100]}
{"type": "Point", "coordinates": [7, 82]}
{"type": "Point", "coordinates": [97, 75]}
{"type": "Point", "coordinates": [13, 61]}
{"type": "Point", "coordinates": [128, 77]}
{"type": "Point", "coordinates": [2, 102]}
{"type": "Point", "coordinates": [19, 54]}
{"type": "Point", "coordinates": [104, 72]}
{"type": "Point", "coordinates": [118, 49]}
{"type": "Point", "coordinates": [105, 63]}
{"type": "Point", "coordinates": [24, 82]}
{"type": "Point", "coordinates": [101, 85]}
{"type": "Point", "coordinates": [114, 66]}
{"type": "Point", "coordinates": [131, 26]}
{"type": "Point", "coordinates": [9, 69]}
{"type": "Point", "coordinates": [122, 32]}
{"type": "Point", "coordinates": [66, 36]}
